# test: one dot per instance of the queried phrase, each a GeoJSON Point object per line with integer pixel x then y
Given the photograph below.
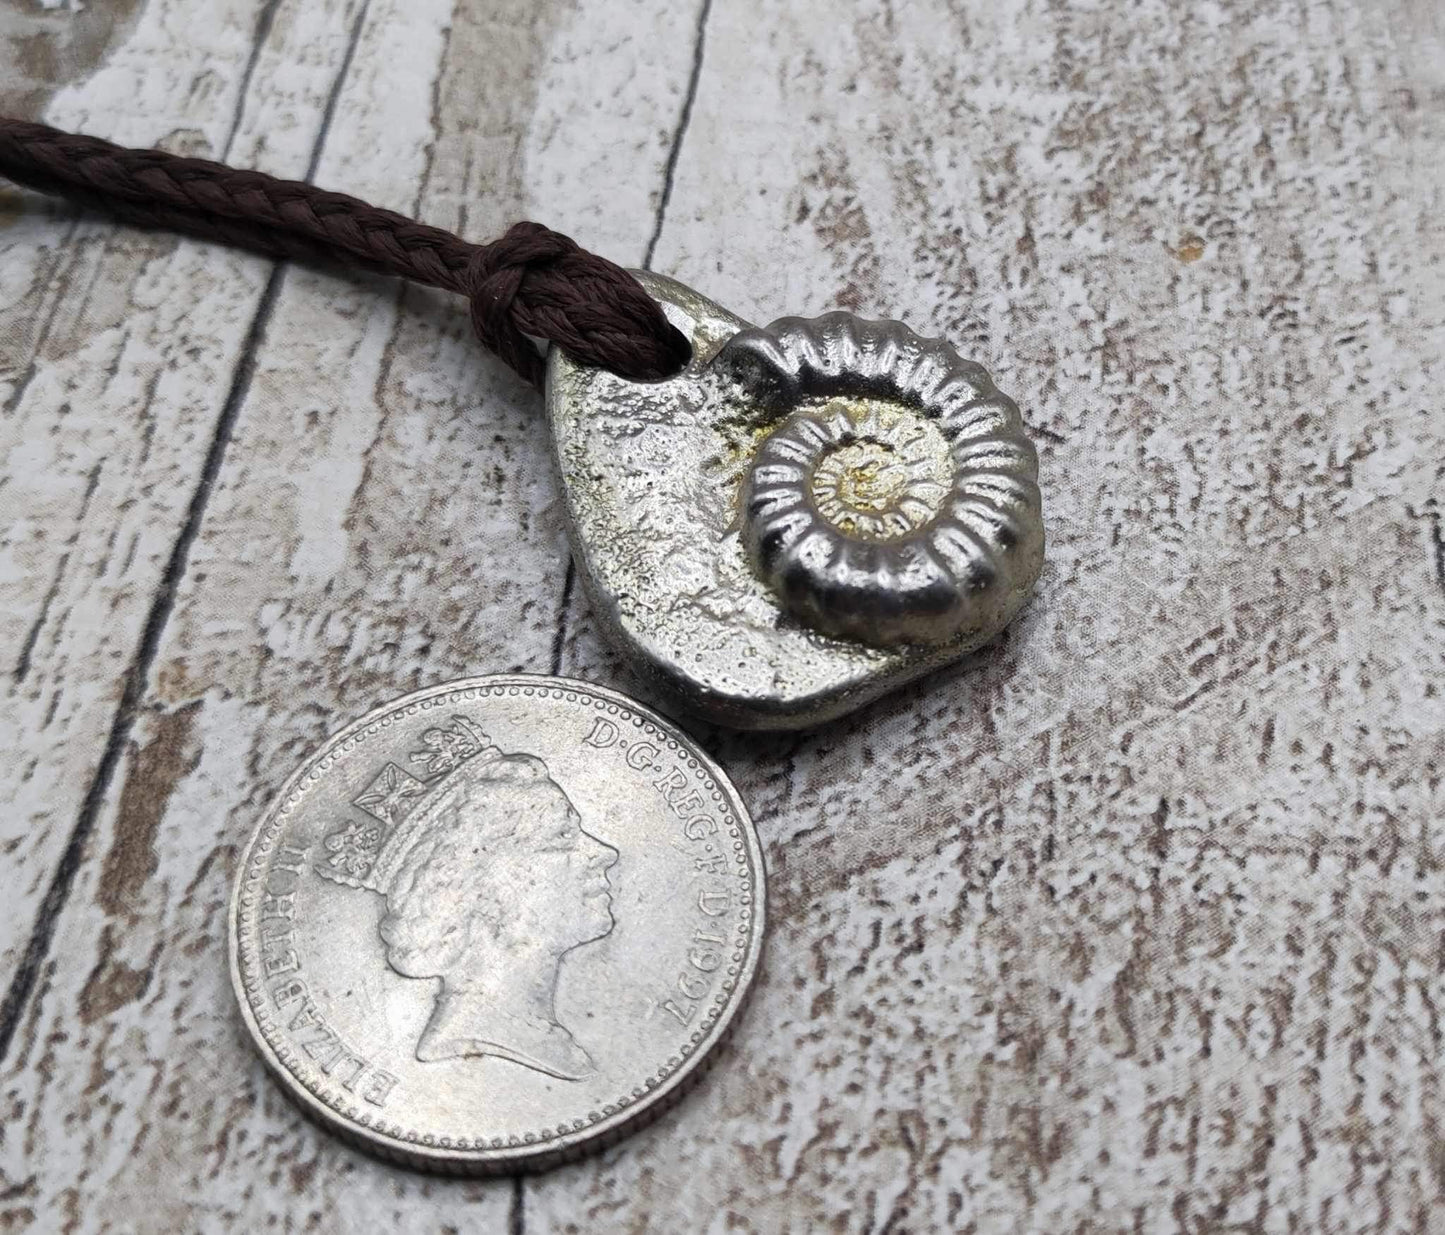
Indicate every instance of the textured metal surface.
{"type": "Point", "coordinates": [897, 500]}
{"type": "Point", "coordinates": [496, 923]}
{"type": "Point", "coordinates": [731, 523]}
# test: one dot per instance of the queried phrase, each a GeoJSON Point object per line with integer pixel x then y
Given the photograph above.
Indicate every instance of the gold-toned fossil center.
{"type": "Point", "coordinates": [866, 477]}
{"type": "Point", "coordinates": [887, 475]}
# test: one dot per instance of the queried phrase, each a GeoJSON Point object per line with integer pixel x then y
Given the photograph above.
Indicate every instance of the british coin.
{"type": "Point", "coordinates": [497, 923]}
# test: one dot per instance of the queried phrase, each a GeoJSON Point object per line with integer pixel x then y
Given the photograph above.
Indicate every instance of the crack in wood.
{"type": "Point", "coordinates": [27, 648]}
{"type": "Point", "coordinates": [517, 1211]}
{"type": "Point", "coordinates": [262, 31]}
{"type": "Point", "coordinates": [559, 639]}
{"type": "Point", "coordinates": [683, 120]}
{"type": "Point", "coordinates": [1437, 539]}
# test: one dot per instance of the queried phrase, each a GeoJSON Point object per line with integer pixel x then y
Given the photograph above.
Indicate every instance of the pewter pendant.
{"type": "Point", "coordinates": [809, 515]}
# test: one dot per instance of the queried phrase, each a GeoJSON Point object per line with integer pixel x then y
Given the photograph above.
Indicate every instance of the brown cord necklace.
{"type": "Point", "coordinates": [775, 524]}
{"type": "Point", "coordinates": [531, 282]}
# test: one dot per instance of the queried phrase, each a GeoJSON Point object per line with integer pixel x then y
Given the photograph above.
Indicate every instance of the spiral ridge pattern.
{"type": "Point", "coordinates": [896, 500]}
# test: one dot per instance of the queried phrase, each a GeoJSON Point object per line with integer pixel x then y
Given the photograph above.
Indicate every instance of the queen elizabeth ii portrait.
{"type": "Point", "coordinates": [489, 881]}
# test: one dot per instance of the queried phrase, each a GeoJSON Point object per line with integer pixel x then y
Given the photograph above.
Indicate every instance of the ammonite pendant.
{"type": "Point", "coordinates": [810, 514]}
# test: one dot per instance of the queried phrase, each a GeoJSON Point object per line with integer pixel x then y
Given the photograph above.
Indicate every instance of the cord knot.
{"type": "Point", "coordinates": [535, 283]}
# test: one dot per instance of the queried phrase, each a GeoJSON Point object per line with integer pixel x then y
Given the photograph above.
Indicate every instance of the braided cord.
{"type": "Point", "coordinates": [532, 282]}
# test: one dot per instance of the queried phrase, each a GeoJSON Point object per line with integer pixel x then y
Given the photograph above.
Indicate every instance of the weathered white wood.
{"type": "Point", "coordinates": [120, 348]}
{"type": "Point", "coordinates": [385, 511]}
{"type": "Point", "coordinates": [1133, 922]}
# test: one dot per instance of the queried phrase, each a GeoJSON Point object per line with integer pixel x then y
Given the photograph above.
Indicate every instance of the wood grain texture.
{"type": "Point", "coordinates": [119, 348]}
{"type": "Point", "coordinates": [1135, 921]}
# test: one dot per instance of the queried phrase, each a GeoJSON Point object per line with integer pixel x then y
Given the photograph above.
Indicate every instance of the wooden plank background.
{"type": "Point", "coordinates": [1135, 921]}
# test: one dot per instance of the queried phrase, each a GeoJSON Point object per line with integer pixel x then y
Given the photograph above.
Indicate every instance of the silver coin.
{"type": "Point", "coordinates": [497, 923]}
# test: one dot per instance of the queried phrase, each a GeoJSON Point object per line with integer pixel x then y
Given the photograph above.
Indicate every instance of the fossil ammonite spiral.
{"type": "Point", "coordinates": [895, 499]}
